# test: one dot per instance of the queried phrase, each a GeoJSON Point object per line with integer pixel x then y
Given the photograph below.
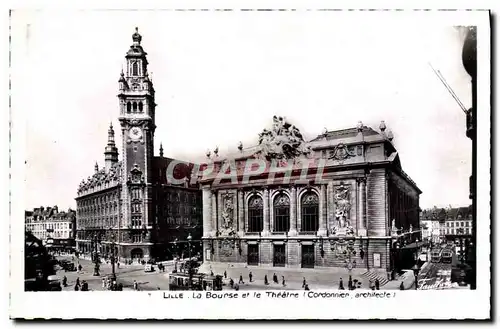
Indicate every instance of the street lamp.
{"type": "Point", "coordinates": [113, 275]}
{"type": "Point", "coordinates": [96, 255]}
{"type": "Point", "coordinates": [416, 269]}
{"type": "Point", "coordinates": [190, 265]}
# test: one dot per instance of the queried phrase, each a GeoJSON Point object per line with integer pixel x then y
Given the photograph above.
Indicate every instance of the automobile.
{"type": "Point", "coordinates": [54, 283]}
{"type": "Point", "coordinates": [67, 266]}
{"type": "Point", "coordinates": [149, 268]}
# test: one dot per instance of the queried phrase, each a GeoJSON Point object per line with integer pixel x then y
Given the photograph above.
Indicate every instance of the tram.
{"type": "Point", "coordinates": [446, 256]}
{"type": "Point", "coordinates": [436, 255]}
{"type": "Point", "coordinates": [199, 281]}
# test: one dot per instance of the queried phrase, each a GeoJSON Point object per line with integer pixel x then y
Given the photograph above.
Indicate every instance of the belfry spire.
{"type": "Point", "coordinates": [111, 151]}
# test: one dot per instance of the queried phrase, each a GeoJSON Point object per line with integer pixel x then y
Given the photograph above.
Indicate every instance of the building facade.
{"type": "Point", "coordinates": [431, 223]}
{"type": "Point", "coordinates": [339, 200]}
{"type": "Point", "coordinates": [137, 206]}
{"type": "Point", "coordinates": [458, 222]}
{"type": "Point", "coordinates": [56, 229]}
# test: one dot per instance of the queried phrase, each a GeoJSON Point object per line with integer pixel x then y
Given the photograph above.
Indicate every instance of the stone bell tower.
{"type": "Point", "coordinates": [137, 120]}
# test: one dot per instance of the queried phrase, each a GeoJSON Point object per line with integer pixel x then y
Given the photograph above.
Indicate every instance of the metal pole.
{"type": "Point", "coordinates": [113, 257]}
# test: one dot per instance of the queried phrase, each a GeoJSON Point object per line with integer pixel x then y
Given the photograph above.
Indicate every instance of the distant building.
{"type": "Point", "coordinates": [459, 222]}
{"type": "Point", "coordinates": [134, 204]}
{"type": "Point", "coordinates": [431, 223]}
{"type": "Point", "coordinates": [56, 229]}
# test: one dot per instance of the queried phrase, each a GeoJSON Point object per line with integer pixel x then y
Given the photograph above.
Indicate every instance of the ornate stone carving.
{"type": "Point", "coordinates": [283, 141]}
{"type": "Point", "coordinates": [256, 202]}
{"type": "Point", "coordinates": [227, 226]}
{"type": "Point", "coordinates": [282, 200]}
{"type": "Point", "coordinates": [310, 198]}
{"type": "Point", "coordinates": [341, 152]}
{"type": "Point", "coordinates": [342, 206]}
{"type": "Point", "coordinates": [136, 175]}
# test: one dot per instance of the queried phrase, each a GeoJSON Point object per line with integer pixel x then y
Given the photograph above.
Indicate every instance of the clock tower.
{"type": "Point", "coordinates": [137, 120]}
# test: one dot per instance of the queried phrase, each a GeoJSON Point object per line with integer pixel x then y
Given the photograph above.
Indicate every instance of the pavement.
{"type": "Point", "coordinates": [126, 275]}
{"type": "Point", "coordinates": [317, 279]}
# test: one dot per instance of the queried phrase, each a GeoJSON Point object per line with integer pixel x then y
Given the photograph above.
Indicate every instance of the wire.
{"type": "Point", "coordinates": [447, 86]}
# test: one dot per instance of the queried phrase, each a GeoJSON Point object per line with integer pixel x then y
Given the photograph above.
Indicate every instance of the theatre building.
{"type": "Point", "coordinates": [137, 206]}
{"type": "Point", "coordinates": [341, 199]}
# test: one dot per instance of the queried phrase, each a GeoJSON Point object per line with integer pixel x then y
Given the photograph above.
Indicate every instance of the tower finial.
{"type": "Point", "coordinates": [161, 150]}
{"type": "Point", "coordinates": [136, 37]}
{"type": "Point", "coordinates": [96, 167]}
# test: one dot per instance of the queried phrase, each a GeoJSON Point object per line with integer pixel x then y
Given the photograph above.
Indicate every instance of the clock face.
{"type": "Point", "coordinates": [135, 133]}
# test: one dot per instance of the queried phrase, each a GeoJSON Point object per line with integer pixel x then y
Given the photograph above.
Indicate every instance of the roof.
{"type": "Point", "coordinates": [345, 133]}
{"type": "Point", "coordinates": [102, 176]}
{"type": "Point", "coordinates": [180, 170]}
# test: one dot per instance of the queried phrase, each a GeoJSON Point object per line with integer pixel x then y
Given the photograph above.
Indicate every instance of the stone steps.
{"type": "Point", "coordinates": [372, 275]}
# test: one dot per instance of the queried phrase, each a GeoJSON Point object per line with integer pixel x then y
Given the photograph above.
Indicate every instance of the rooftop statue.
{"type": "Point", "coordinates": [283, 141]}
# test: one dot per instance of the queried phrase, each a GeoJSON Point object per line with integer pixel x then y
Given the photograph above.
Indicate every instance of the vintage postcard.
{"type": "Point", "coordinates": [231, 163]}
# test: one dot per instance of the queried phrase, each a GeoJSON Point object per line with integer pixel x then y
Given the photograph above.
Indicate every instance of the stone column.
{"type": "Point", "coordinates": [241, 213]}
{"type": "Point", "coordinates": [330, 205]}
{"type": "Point", "coordinates": [322, 211]}
{"type": "Point", "coordinates": [214, 213]}
{"type": "Point", "coordinates": [265, 230]}
{"type": "Point", "coordinates": [293, 211]}
{"type": "Point", "coordinates": [361, 206]}
{"type": "Point", "coordinates": [207, 213]}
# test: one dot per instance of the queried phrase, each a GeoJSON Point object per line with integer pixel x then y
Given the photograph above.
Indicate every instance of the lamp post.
{"type": "Point", "coordinates": [96, 255]}
{"type": "Point", "coordinates": [113, 275]}
{"type": "Point", "coordinates": [190, 265]}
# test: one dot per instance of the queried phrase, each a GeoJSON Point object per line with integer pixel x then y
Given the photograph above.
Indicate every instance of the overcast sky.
{"type": "Point", "coordinates": [221, 76]}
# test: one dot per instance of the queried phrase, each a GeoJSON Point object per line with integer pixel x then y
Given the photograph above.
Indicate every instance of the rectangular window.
{"type": "Point", "coordinates": [279, 256]}
{"type": "Point", "coordinates": [281, 219]}
{"type": "Point", "coordinates": [462, 224]}
{"type": "Point", "coordinates": [467, 231]}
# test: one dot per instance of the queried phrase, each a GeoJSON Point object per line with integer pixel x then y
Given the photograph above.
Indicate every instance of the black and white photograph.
{"type": "Point", "coordinates": [274, 163]}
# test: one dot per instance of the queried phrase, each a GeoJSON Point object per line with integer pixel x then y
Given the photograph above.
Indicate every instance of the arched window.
{"type": "Point", "coordinates": [281, 213]}
{"type": "Point", "coordinates": [135, 69]}
{"type": "Point", "coordinates": [255, 214]}
{"type": "Point", "coordinates": [134, 107]}
{"type": "Point", "coordinates": [310, 212]}
{"type": "Point", "coordinates": [140, 106]}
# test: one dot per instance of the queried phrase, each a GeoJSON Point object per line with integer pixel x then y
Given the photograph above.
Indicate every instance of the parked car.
{"type": "Point", "coordinates": [54, 283]}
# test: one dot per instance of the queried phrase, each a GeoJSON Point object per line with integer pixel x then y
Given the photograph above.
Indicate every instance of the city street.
{"type": "Point", "coordinates": [126, 275]}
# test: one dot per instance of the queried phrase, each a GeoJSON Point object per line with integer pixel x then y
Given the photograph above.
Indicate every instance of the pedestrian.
{"type": "Point", "coordinates": [402, 286]}
{"type": "Point", "coordinates": [211, 273]}
{"type": "Point", "coordinates": [225, 274]}
{"type": "Point", "coordinates": [103, 282]}
{"type": "Point", "coordinates": [377, 284]}
{"type": "Point", "coordinates": [283, 280]}
{"type": "Point", "coordinates": [265, 280]}
{"type": "Point", "coordinates": [250, 276]}
{"type": "Point", "coordinates": [349, 283]}
{"type": "Point", "coordinates": [77, 281]}
{"type": "Point", "coordinates": [306, 287]}
{"type": "Point", "coordinates": [76, 287]}
{"type": "Point", "coordinates": [304, 283]}
{"type": "Point", "coordinates": [371, 285]}
{"type": "Point", "coordinates": [136, 285]}
{"type": "Point", "coordinates": [65, 281]}
{"type": "Point", "coordinates": [118, 265]}
{"type": "Point", "coordinates": [231, 282]}
{"type": "Point", "coordinates": [85, 286]}
{"type": "Point", "coordinates": [80, 267]}
{"type": "Point", "coordinates": [236, 287]}
{"type": "Point", "coordinates": [241, 279]}
{"type": "Point", "coordinates": [120, 287]}
{"type": "Point", "coordinates": [275, 278]}
{"type": "Point", "coordinates": [341, 284]}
